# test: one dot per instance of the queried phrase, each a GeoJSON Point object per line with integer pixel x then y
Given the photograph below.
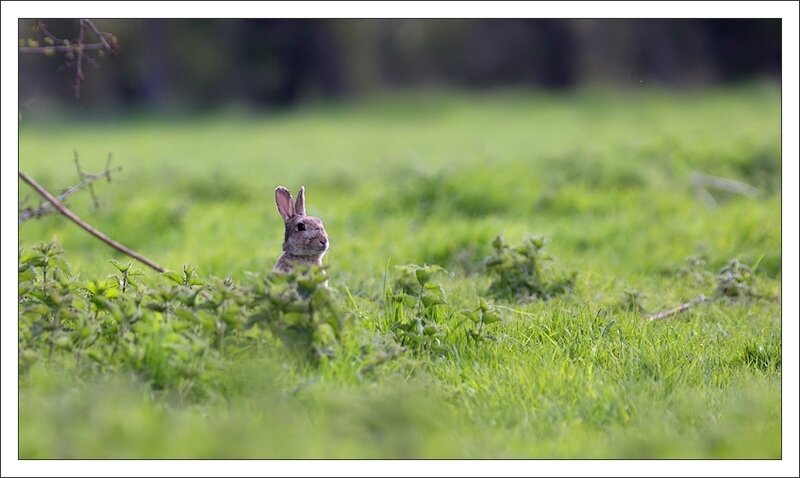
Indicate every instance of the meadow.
{"type": "Point", "coordinates": [537, 345]}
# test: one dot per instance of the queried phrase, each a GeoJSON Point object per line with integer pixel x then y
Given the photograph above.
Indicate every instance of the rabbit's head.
{"type": "Point", "coordinates": [305, 235]}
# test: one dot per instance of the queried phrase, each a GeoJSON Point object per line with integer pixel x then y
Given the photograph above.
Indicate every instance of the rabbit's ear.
{"type": "Point", "coordinates": [283, 198]}
{"type": "Point", "coordinates": [300, 204]}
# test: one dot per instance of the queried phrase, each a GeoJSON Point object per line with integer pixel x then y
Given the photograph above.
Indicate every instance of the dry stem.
{"type": "Point", "coordinates": [85, 226]}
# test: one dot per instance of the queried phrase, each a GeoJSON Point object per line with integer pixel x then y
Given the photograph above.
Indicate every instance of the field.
{"type": "Point", "coordinates": [419, 363]}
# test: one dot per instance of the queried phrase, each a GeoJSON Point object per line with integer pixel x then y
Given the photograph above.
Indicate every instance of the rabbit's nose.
{"type": "Point", "coordinates": [323, 242]}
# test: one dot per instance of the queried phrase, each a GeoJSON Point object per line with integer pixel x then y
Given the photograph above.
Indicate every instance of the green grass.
{"type": "Point", "coordinates": [605, 177]}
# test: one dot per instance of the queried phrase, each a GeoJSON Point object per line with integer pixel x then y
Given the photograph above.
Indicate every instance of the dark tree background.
{"type": "Point", "coordinates": [189, 65]}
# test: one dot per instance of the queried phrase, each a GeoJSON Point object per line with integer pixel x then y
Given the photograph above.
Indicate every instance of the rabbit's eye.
{"type": "Point", "coordinates": [301, 227]}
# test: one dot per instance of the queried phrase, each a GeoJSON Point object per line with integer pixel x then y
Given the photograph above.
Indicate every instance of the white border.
{"type": "Point", "coordinates": [790, 312]}
{"type": "Point", "coordinates": [394, 9]}
{"type": "Point", "coordinates": [786, 10]}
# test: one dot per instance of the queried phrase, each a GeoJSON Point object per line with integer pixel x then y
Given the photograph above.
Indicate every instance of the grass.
{"type": "Point", "coordinates": [605, 177]}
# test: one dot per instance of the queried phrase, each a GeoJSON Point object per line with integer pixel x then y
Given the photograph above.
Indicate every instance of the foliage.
{"type": "Point", "coordinates": [416, 303]}
{"type": "Point", "coordinates": [520, 273]}
{"type": "Point", "coordinates": [420, 313]}
{"type": "Point", "coordinates": [172, 335]}
{"type": "Point", "coordinates": [299, 307]}
{"type": "Point", "coordinates": [632, 300]}
{"type": "Point", "coordinates": [735, 280]}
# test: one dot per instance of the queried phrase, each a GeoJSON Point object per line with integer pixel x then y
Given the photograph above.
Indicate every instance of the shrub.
{"type": "Point", "coordinates": [520, 273]}
{"type": "Point", "coordinates": [421, 319]}
{"type": "Point", "coordinates": [174, 334]}
{"type": "Point", "coordinates": [735, 280]}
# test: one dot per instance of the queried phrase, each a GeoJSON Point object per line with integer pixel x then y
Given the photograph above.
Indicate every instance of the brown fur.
{"type": "Point", "coordinates": [305, 246]}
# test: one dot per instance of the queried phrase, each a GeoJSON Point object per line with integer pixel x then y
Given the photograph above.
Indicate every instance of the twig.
{"type": "Point", "coordinates": [79, 62]}
{"type": "Point", "coordinates": [46, 208]}
{"type": "Point", "coordinates": [100, 36]}
{"type": "Point", "coordinates": [82, 176]}
{"type": "Point", "coordinates": [108, 170]}
{"type": "Point", "coordinates": [678, 310]}
{"type": "Point", "coordinates": [45, 50]}
{"type": "Point", "coordinates": [40, 26]}
{"type": "Point", "coordinates": [74, 52]}
{"type": "Point", "coordinates": [88, 228]}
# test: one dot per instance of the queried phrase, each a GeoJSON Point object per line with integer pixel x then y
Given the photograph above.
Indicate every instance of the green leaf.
{"type": "Point", "coordinates": [102, 303]}
{"type": "Point", "coordinates": [494, 261]}
{"type": "Point", "coordinates": [184, 313]}
{"type": "Point", "coordinates": [155, 306]}
{"type": "Point", "coordinates": [471, 315]}
{"type": "Point", "coordinates": [483, 305]}
{"type": "Point", "coordinates": [422, 276]}
{"type": "Point", "coordinates": [173, 276]}
{"type": "Point", "coordinates": [433, 294]}
{"type": "Point", "coordinates": [424, 273]}
{"type": "Point", "coordinates": [403, 298]}
{"type": "Point", "coordinates": [64, 342]}
{"type": "Point", "coordinates": [324, 335]}
{"type": "Point", "coordinates": [121, 267]}
{"type": "Point", "coordinates": [30, 257]}
{"type": "Point", "coordinates": [490, 318]}
{"type": "Point", "coordinates": [96, 355]}
{"type": "Point", "coordinates": [26, 275]}
{"type": "Point", "coordinates": [497, 243]}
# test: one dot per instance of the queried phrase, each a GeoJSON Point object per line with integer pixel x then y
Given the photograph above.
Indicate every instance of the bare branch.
{"type": "Point", "coordinates": [45, 208]}
{"type": "Point", "coordinates": [46, 50]}
{"type": "Point", "coordinates": [85, 226]}
{"type": "Point", "coordinates": [92, 61]}
{"type": "Point", "coordinates": [100, 36]}
{"type": "Point", "coordinates": [81, 177]}
{"type": "Point", "coordinates": [678, 310]}
{"type": "Point", "coordinates": [75, 53]}
{"type": "Point", "coordinates": [79, 63]}
{"type": "Point", "coordinates": [40, 26]}
{"type": "Point", "coordinates": [108, 166]}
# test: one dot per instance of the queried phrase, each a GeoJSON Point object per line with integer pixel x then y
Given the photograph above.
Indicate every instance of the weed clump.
{"type": "Point", "coordinates": [175, 335]}
{"type": "Point", "coordinates": [695, 268]}
{"type": "Point", "coordinates": [520, 273]}
{"type": "Point", "coordinates": [735, 280]}
{"type": "Point", "coordinates": [299, 308]}
{"type": "Point", "coordinates": [417, 321]}
{"type": "Point", "coordinates": [632, 300]}
{"type": "Point", "coordinates": [423, 322]}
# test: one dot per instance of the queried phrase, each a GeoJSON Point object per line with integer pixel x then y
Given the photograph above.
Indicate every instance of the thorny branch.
{"type": "Point", "coordinates": [75, 52]}
{"type": "Point", "coordinates": [680, 309]}
{"type": "Point", "coordinates": [85, 226]}
{"type": "Point", "coordinates": [86, 180]}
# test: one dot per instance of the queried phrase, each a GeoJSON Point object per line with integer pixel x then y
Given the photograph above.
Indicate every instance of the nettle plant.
{"type": "Point", "coordinates": [420, 314]}
{"type": "Point", "coordinates": [735, 280]}
{"type": "Point", "coordinates": [481, 318]}
{"type": "Point", "coordinates": [418, 320]}
{"type": "Point", "coordinates": [299, 308]}
{"type": "Point", "coordinates": [175, 334]}
{"type": "Point", "coordinates": [520, 271]}
{"type": "Point", "coordinates": [632, 300]}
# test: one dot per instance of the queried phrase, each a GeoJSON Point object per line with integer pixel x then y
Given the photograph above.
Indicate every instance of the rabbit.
{"type": "Point", "coordinates": [305, 240]}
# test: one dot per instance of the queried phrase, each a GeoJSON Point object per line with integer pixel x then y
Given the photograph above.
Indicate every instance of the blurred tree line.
{"type": "Point", "coordinates": [184, 64]}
